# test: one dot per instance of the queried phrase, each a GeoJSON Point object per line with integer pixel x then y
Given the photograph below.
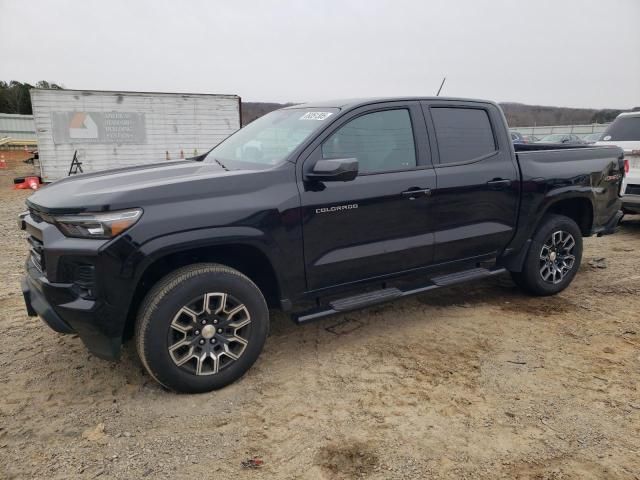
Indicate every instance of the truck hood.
{"type": "Point", "coordinates": [137, 187]}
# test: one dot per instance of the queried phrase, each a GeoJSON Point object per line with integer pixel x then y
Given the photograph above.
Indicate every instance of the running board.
{"type": "Point", "coordinates": [459, 277]}
{"type": "Point", "coordinates": [387, 294]}
{"type": "Point", "coordinates": [365, 299]}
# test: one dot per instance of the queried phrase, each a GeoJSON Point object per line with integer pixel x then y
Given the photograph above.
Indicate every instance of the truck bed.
{"type": "Point", "coordinates": [534, 160]}
{"type": "Point", "coordinates": [584, 169]}
{"type": "Point", "coordinates": [528, 147]}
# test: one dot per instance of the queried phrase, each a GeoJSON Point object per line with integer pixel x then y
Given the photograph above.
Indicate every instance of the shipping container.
{"type": "Point", "coordinates": [117, 129]}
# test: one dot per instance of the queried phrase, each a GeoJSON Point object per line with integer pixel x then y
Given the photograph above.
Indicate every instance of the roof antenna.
{"type": "Point", "coordinates": [441, 85]}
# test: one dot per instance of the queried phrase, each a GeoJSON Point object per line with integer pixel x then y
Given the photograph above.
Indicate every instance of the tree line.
{"type": "Point", "coordinates": [15, 98]}
{"type": "Point", "coordinates": [520, 115]}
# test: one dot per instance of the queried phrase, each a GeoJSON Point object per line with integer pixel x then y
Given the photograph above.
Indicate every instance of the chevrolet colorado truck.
{"type": "Point", "coordinates": [313, 209]}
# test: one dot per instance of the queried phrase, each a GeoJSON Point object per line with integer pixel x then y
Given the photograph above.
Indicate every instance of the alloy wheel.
{"type": "Point", "coordinates": [209, 333]}
{"type": "Point", "coordinates": [557, 256]}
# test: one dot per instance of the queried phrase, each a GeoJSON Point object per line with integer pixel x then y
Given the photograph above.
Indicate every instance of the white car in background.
{"type": "Point", "coordinates": [624, 132]}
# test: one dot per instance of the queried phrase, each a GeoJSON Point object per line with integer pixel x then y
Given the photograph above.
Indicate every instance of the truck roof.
{"type": "Point", "coordinates": [357, 102]}
{"type": "Point", "coordinates": [629, 114]}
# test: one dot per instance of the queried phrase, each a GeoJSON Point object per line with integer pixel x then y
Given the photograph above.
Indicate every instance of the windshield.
{"type": "Point", "coordinates": [623, 129]}
{"type": "Point", "coordinates": [268, 140]}
{"type": "Point", "coordinates": [553, 138]}
{"type": "Point", "coordinates": [593, 137]}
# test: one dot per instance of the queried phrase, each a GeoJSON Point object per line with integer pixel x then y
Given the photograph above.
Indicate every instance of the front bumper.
{"type": "Point", "coordinates": [37, 306]}
{"type": "Point", "coordinates": [61, 307]}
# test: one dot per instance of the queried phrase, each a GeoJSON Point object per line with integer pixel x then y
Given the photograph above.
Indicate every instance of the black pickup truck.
{"type": "Point", "coordinates": [314, 209]}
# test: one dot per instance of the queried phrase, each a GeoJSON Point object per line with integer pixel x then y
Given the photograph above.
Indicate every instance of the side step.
{"type": "Point", "coordinates": [365, 299]}
{"type": "Point", "coordinates": [459, 277]}
{"type": "Point", "coordinates": [387, 294]}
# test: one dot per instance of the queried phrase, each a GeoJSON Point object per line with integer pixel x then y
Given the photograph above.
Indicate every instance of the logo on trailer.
{"type": "Point", "coordinates": [82, 126]}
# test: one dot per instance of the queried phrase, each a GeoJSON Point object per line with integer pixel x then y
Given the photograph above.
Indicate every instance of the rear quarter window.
{"type": "Point", "coordinates": [463, 134]}
{"type": "Point", "coordinates": [623, 129]}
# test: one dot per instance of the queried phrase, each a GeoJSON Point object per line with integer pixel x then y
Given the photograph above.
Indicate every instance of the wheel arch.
{"type": "Point", "coordinates": [245, 256]}
{"type": "Point", "coordinates": [578, 208]}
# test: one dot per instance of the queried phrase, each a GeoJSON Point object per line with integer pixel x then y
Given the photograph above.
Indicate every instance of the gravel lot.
{"type": "Point", "coordinates": [478, 381]}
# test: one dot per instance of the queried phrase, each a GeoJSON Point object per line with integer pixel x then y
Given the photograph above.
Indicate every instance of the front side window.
{"type": "Point", "coordinates": [463, 134]}
{"type": "Point", "coordinates": [381, 141]}
{"type": "Point", "coordinates": [268, 140]}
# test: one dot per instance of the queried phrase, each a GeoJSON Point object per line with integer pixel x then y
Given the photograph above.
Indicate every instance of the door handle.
{"type": "Point", "coordinates": [499, 184]}
{"type": "Point", "coordinates": [416, 192]}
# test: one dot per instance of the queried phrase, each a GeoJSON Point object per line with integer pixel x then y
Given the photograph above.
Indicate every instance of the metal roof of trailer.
{"type": "Point", "coordinates": [131, 92]}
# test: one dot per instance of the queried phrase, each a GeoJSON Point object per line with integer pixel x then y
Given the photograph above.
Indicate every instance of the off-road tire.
{"type": "Point", "coordinates": [160, 307]}
{"type": "Point", "coordinates": [530, 278]}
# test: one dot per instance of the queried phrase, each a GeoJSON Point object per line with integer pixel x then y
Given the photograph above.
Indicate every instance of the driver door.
{"type": "Point", "coordinates": [380, 223]}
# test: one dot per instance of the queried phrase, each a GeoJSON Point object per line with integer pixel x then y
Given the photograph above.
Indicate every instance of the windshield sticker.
{"type": "Point", "coordinates": [316, 115]}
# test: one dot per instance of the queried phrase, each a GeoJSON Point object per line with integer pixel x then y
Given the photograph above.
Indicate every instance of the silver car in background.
{"type": "Point", "coordinates": [624, 132]}
{"type": "Point", "coordinates": [564, 138]}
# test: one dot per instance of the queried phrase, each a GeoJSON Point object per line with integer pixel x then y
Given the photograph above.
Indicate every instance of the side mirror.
{"type": "Point", "coordinates": [334, 170]}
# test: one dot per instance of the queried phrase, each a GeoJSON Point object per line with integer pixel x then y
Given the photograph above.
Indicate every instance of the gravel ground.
{"type": "Point", "coordinates": [478, 381]}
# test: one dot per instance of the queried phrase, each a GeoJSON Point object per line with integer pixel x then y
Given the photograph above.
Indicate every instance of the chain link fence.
{"type": "Point", "coordinates": [541, 131]}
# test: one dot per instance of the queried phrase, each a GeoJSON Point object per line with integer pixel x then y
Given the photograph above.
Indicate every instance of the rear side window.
{"type": "Point", "coordinates": [623, 129]}
{"type": "Point", "coordinates": [381, 141]}
{"type": "Point", "coordinates": [463, 134]}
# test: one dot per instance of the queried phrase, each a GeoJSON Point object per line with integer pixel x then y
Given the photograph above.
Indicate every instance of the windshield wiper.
{"type": "Point", "coordinates": [221, 164]}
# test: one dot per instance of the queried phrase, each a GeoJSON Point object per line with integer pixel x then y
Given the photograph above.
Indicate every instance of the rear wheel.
{"type": "Point", "coordinates": [554, 257]}
{"type": "Point", "coordinates": [201, 328]}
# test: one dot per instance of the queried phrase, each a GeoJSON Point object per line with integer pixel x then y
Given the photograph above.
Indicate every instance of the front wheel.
{"type": "Point", "coordinates": [554, 257]}
{"type": "Point", "coordinates": [201, 328]}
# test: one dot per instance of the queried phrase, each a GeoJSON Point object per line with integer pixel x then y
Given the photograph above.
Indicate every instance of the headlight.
{"type": "Point", "coordinates": [97, 225]}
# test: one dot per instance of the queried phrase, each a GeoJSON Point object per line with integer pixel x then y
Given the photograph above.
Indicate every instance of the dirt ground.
{"type": "Point", "coordinates": [478, 381]}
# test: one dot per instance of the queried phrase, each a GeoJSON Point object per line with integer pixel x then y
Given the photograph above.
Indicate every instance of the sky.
{"type": "Point", "coordinates": [575, 53]}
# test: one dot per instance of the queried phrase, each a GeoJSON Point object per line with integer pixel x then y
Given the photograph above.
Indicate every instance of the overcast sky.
{"type": "Point", "coordinates": [580, 53]}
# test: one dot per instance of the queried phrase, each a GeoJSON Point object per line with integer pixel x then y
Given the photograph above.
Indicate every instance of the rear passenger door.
{"type": "Point", "coordinates": [476, 200]}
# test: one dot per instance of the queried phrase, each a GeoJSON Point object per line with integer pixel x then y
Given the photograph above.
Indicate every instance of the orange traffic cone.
{"type": "Point", "coordinates": [28, 182]}
{"type": "Point", "coordinates": [32, 182]}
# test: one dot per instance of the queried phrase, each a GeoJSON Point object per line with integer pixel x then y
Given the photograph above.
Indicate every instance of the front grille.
{"type": "Point", "coordinates": [37, 251]}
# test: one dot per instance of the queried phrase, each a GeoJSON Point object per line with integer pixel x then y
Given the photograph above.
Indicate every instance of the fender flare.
{"type": "Point", "coordinates": [159, 247]}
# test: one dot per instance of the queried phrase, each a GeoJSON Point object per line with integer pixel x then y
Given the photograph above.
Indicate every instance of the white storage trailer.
{"type": "Point", "coordinates": [117, 129]}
